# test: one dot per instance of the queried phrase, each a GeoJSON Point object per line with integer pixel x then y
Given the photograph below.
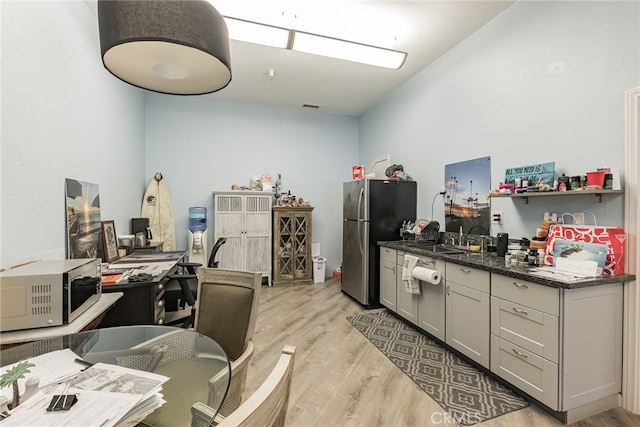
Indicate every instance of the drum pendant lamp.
{"type": "Point", "coordinates": [178, 47]}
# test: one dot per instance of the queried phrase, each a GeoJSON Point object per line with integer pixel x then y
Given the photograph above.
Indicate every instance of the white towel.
{"type": "Point", "coordinates": [411, 284]}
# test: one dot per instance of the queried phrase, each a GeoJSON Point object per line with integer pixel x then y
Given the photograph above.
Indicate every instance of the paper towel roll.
{"type": "Point", "coordinates": [426, 275]}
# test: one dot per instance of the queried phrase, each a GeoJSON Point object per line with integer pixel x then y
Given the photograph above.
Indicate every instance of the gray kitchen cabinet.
{"type": "Point", "coordinates": [559, 342]}
{"type": "Point", "coordinates": [561, 346]}
{"type": "Point", "coordinates": [467, 311]}
{"type": "Point", "coordinates": [388, 285]}
{"type": "Point", "coordinates": [407, 304]}
{"type": "Point", "coordinates": [431, 304]}
{"type": "Point", "coordinates": [525, 336]}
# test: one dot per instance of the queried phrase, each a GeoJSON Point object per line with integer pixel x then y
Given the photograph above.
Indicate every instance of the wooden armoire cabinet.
{"type": "Point", "coordinates": [244, 219]}
{"type": "Point", "coordinates": [292, 263]}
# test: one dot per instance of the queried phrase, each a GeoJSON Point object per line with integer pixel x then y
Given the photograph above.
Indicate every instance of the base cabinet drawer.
{"type": "Point", "coordinates": [531, 329]}
{"type": "Point", "coordinates": [468, 276]}
{"type": "Point", "coordinates": [542, 298]}
{"type": "Point", "coordinates": [531, 373]}
{"type": "Point", "coordinates": [388, 255]}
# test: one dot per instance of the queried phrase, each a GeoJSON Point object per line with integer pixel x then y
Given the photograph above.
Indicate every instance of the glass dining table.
{"type": "Point", "coordinates": [197, 367]}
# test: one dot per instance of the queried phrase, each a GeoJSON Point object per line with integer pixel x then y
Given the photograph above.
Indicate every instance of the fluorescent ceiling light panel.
{"type": "Point", "coordinates": [349, 51]}
{"type": "Point", "coordinates": [269, 35]}
{"type": "Point", "coordinates": [253, 32]}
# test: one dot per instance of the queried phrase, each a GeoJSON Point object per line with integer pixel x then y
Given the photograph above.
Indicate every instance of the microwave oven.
{"type": "Point", "coordinates": [48, 293]}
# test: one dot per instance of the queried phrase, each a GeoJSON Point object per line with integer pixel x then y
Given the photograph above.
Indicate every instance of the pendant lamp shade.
{"type": "Point", "coordinates": [178, 47]}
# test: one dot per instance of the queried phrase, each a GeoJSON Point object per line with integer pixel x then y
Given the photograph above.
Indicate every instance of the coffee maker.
{"type": "Point", "coordinates": [197, 235]}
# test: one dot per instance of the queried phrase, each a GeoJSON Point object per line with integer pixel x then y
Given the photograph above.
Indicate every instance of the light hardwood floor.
{"type": "Point", "coordinates": [340, 379]}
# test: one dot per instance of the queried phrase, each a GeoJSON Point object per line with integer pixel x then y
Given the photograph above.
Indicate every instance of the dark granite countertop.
{"type": "Point", "coordinates": [495, 264]}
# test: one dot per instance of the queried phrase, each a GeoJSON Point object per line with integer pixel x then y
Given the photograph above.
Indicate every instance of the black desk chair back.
{"type": "Point", "coordinates": [182, 289]}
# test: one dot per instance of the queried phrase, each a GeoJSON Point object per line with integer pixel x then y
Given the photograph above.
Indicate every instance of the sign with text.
{"type": "Point", "coordinates": [541, 173]}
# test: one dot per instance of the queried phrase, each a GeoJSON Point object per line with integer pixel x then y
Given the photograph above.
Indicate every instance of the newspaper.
{"type": "Point", "coordinates": [107, 395]}
{"type": "Point", "coordinates": [50, 368]}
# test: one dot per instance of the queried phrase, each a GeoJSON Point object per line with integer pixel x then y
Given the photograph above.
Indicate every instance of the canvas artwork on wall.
{"type": "Point", "coordinates": [83, 219]}
{"type": "Point", "coordinates": [466, 205]}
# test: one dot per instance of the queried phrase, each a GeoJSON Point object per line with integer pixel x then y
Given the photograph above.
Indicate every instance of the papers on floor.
{"type": "Point", "coordinates": [107, 395]}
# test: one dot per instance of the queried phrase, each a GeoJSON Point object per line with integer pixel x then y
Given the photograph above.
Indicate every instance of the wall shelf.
{"type": "Point", "coordinates": [525, 196]}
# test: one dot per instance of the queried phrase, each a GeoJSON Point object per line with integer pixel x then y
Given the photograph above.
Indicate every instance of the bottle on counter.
{"type": "Point", "coordinates": [513, 250]}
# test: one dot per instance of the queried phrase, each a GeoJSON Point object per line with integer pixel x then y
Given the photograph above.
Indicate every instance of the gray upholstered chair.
{"type": "Point", "coordinates": [266, 407]}
{"type": "Point", "coordinates": [227, 309]}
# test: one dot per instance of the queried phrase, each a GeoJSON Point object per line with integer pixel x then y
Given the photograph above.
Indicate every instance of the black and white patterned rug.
{"type": "Point", "coordinates": [466, 393]}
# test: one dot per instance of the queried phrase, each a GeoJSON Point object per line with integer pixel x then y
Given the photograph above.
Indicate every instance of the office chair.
{"type": "Point", "coordinates": [182, 289]}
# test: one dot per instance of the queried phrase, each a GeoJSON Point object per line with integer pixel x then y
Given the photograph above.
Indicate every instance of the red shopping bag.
{"type": "Point", "coordinates": [613, 237]}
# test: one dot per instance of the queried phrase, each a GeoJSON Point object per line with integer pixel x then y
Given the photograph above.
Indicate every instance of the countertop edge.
{"type": "Point", "coordinates": [494, 264]}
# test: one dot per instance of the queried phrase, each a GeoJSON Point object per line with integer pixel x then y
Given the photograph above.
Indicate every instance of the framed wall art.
{"type": "Point", "coordinates": [467, 185]}
{"type": "Point", "coordinates": [109, 241]}
{"type": "Point", "coordinates": [83, 219]}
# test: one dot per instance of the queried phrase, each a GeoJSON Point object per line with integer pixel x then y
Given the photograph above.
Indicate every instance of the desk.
{"type": "Point", "coordinates": [143, 302]}
{"type": "Point", "coordinates": [87, 320]}
{"type": "Point", "coordinates": [188, 358]}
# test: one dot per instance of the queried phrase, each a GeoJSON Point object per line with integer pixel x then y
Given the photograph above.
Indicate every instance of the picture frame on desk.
{"type": "Point", "coordinates": [109, 241]}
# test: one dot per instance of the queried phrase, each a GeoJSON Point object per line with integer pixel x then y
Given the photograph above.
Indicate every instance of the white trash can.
{"type": "Point", "coordinates": [319, 267]}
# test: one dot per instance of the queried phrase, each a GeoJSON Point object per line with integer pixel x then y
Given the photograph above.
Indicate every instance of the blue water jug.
{"type": "Point", "coordinates": [197, 219]}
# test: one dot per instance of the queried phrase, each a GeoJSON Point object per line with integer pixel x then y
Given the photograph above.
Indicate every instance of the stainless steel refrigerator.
{"type": "Point", "coordinates": [373, 211]}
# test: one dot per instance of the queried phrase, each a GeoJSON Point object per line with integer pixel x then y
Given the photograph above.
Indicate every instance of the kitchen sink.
{"type": "Point", "coordinates": [435, 247]}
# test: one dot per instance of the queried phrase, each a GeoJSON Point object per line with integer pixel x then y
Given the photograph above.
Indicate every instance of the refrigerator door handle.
{"type": "Point", "coordinates": [360, 199]}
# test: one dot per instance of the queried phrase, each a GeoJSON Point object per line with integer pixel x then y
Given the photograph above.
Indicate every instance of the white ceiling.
{"type": "Point", "coordinates": [424, 29]}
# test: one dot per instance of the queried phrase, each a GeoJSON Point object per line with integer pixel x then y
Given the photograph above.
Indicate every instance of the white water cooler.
{"type": "Point", "coordinates": [197, 235]}
{"type": "Point", "coordinates": [319, 263]}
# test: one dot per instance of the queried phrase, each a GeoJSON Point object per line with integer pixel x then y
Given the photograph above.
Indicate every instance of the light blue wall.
{"type": "Point", "coordinates": [63, 116]}
{"type": "Point", "coordinates": [493, 95]}
{"type": "Point", "coordinates": [201, 145]}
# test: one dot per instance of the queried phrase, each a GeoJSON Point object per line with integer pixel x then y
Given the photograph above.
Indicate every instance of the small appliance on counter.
{"type": "Point", "coordinates": [502, 243]}
{"type": "Point", "coordinates": [48, 293]}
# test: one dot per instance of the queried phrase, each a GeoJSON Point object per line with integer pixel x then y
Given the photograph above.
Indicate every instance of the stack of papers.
{"type": "Point", "coordinates": [107, 395]}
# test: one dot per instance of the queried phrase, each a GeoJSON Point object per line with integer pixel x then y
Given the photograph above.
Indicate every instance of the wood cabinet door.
{"type": "Point", "coordinates": [467, 320]}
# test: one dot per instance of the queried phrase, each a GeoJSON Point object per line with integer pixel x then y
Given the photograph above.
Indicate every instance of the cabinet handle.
{"type": "Point", "coordinates": [160, 286]}
{"type": "Point", "coordinates": [517, 310]}
{"type": "Point", "coordinates": [160, 303]}
{"type": "Point", "coordinates": [448, 290]}
{"type": "Point", "coordinates": [160, 321]}
{"type": "Point", "coordinates": [519, 354]}
{"type": "Point", "coordinates": [465, 270]}
{"type": "Point", "coordinates": [520, 285]}
{"type": "Point", "coordinates": [393, 269]}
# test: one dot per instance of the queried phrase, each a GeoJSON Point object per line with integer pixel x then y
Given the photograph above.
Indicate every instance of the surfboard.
{"type": "Point", "coordinates": [156, 205]}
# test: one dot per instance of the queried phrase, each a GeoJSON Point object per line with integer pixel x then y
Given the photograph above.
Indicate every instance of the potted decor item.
{"type": "Point", "coordinates": [11, 377]}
